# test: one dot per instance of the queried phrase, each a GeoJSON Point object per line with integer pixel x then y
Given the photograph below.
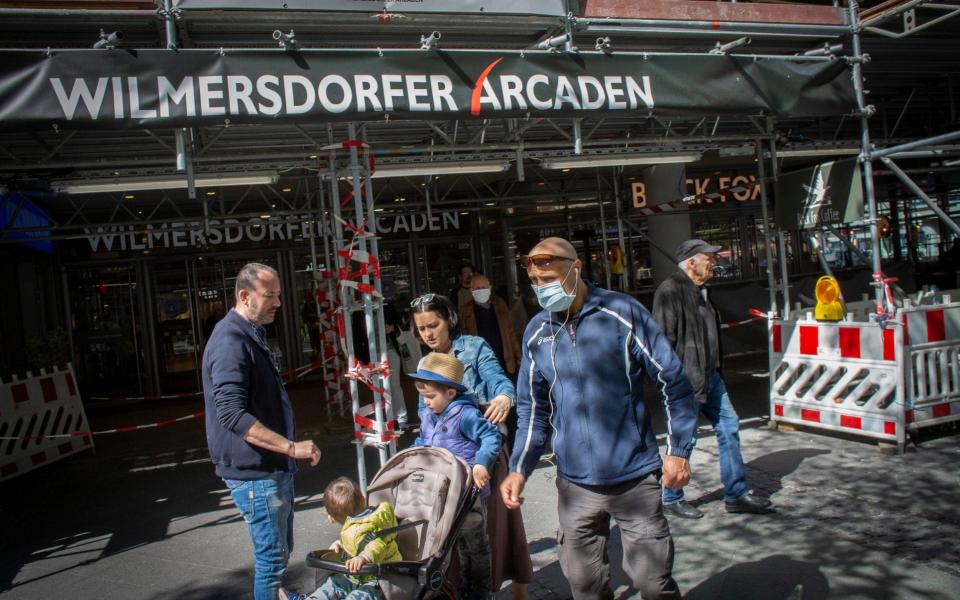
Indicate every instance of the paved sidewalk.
{"type": "Point", "coordinates": [146, 518]}
{"type": "Point", "coordinates": [850, 523]}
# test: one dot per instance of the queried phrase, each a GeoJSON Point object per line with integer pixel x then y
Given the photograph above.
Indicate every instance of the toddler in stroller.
{"type": "Point", "coordinates": [433, 494]}
{"type": "Point", "coordinates": [368, 535]}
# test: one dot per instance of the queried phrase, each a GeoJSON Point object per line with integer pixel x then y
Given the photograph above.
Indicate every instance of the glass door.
{"type": "Point", "coordinates": [177, 336]}
{"type": "Point", "coordinates": [107, 332]}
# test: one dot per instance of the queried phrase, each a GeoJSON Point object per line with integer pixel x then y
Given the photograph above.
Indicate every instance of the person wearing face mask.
{"type": "Point", "coordinates": [584, 357]}
{"type": "Point", "coordinates": [488, 316]}
{"type": "Point", "coordinates": [683, 308]}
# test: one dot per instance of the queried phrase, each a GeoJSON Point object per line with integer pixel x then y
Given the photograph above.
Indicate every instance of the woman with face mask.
{"type": "Point", "coordinates": [438, 325]}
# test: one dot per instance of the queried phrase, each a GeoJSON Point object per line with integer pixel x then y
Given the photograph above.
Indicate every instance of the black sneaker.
{"type": "Point", "coordinates": [682, 509]}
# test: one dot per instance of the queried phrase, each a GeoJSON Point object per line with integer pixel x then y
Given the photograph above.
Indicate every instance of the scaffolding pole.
{"type": "Point", "coordinates": [865, 149]}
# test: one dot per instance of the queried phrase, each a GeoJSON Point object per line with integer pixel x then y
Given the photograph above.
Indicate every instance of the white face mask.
{"type": "Point", "coordinates": [481, 296]}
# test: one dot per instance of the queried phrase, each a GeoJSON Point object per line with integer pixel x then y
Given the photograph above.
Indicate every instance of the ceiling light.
{"type": "Point", "coordinates": [129, 197]}
{"type": "Point", "coordinates": [131, 184]}
{"type": "Point", "coordinates": [312, 156]}
{"type": "Point", "coordinates": [800, 153]}
{"type": "Point", "coordinates": [211, 193]}
{"type": "Point", "coordinates": [287, 189]}
{"type": "Point", "coordinates": [613, 160]}
{"type": "Point", "coordinates": [439, 168]}
{"type": "Point", "coordinates": [264, 217]}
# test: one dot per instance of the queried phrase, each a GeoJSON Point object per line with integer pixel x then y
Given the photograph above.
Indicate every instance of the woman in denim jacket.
{"type": "Point", "coordinates": [437, 324]}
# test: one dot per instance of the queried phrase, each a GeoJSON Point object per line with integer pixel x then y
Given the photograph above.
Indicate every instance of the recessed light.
{"type": "Point", "coordinates": [129, 197]}
{"type": "Point", "coordinates": [211, 193]}
{"type": "Point", "coordinates": [312, 156]}
{"type": "Point", "coordinates": [116, 173]}
{"type": "Point", "coordinates": [541, 183]}
{"type": "Point", "coordinates": [287, 189]}
{"type": "Point", "coordinates": [264, 217]}
{"type": "Point", "coordinates": [565, 170]}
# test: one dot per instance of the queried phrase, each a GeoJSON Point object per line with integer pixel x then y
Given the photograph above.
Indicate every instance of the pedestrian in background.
{"type": "Point", "coordinates": [691, 323]}
{"type": "Point", "coordinates": [488, 316]}
{"type": "Point", "coordinates": [460, 293]}
{"type": "Point", "coordinates": [250, 424]}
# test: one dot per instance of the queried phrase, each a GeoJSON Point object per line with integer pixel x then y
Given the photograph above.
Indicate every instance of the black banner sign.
{"type": "Point", "coordinates": [555, 8]}
{"type": "Point", "coordinates": [122, 88]}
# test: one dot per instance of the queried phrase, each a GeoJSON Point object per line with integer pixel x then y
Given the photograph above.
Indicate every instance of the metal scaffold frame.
{"type": "Point", "coordinates": [360, 291]}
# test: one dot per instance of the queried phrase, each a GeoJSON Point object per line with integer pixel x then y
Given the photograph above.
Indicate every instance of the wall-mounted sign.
{"type": "Point", "coordinates": [829, 193]}
{"type": "Point", "coordinates": [708, 189]}
{"type": "Point", "coordinates": [232, 231]}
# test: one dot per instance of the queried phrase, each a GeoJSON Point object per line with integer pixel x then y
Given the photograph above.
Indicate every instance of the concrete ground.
{"type": "Point", "coordinates": [145, 517]}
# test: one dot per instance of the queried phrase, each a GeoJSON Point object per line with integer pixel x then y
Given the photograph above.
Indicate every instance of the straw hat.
{"type": "Point", "coordinates": [441, 368]}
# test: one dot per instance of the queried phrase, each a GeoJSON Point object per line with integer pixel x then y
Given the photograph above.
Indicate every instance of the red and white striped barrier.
{"type": "Point", "coordinates": [874, 379]}
{"type": "Point", "coordinates": [932, 369]}
{"type": "Point", "coordinates": [41, 421]}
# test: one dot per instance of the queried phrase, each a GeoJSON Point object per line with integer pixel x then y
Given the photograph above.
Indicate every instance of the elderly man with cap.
{"type": "Point", "coordinates": [583, 362]}
{"type": "Point", "coordinates": [690, 321]}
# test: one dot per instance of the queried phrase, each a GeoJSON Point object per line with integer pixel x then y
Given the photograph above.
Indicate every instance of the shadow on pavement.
{"type": "Point", "coordinates": [776, 577]}
{"type": "Point", "coordinates": [765, 474]}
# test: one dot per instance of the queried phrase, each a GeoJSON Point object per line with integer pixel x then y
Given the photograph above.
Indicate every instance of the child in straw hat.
{"type": "Point", "coordinates": [451, 419]}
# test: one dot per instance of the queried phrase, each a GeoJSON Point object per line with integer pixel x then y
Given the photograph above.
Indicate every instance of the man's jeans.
{"type": "Point", "coordinates": [267, 507]}
{"type": "Point", "coordinates": [721, 414]}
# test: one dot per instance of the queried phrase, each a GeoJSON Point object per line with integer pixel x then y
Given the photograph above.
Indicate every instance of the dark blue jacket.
{"type": "Point", "coordinates": [241, 385]}
{"type": "Point", "coordinates": [586, 379]}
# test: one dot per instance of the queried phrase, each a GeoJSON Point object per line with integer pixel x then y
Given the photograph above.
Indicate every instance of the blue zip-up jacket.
{"type": "Point", "coordinates": [241, 385]}
{"type": "Point", "coordinates": [586, 379]}
{"type": "Point", "coordinates": [482, 374]}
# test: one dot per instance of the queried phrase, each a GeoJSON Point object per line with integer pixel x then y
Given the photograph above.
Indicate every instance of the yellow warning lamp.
{"type": "Point", "coordinates": [829, 302]}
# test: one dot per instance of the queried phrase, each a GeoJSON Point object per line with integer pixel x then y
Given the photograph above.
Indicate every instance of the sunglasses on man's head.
{"type": "Point", "coordinates": [541, 261]}
{"type": "Point", "coordinates": [424, 299]}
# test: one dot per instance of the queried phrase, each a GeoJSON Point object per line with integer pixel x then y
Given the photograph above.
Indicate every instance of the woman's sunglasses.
{"type": "Point", "coordinates": [421, 300]}
{"type": "Point", "coordinates": [541, 261]}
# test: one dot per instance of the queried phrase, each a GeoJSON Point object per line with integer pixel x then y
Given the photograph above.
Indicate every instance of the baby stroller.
{"type": "Point", "coordinates": [432, 493]}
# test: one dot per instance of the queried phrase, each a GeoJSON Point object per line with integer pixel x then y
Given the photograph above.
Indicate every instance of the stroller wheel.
{"type": "Point", "coordinates": [446, 591]}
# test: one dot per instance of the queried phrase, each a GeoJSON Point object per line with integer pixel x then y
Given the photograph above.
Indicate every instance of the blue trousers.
{"type": "Point", "coordinates": [341, 587]}
{"type": "Point", "coordinates": [267, 507]}
{"type": "Point", "coordinates": [721, 414]}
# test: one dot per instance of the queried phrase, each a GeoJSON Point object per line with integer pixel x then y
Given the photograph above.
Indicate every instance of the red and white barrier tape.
{"type": "Point", "coordinates": [298, 373]}
{"type": "Point", "coordinates": [757, 316]}
{"type": "Point", "coordinates": [126, 429]}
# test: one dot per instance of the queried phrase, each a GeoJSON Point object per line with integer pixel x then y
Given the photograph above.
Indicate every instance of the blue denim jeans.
{"type": "Point", "coordinates": [341, 587]}
{"type": "Point", "coordinates": [726, 423]}
{"type": "Point", "coordinates": [267, 507]}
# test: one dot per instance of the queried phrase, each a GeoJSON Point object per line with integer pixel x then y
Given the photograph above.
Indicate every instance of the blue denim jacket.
{"type": "Point", "coordinates": [482, 374]}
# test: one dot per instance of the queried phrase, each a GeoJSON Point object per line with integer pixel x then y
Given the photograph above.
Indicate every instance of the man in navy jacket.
{"type": "Point", "coordinates": [250, 425]}
{"type": "Point", "coordinates": [584, 359]}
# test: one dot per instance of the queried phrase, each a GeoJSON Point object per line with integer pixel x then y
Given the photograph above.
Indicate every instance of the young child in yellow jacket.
{"type": "Point", "coordinates": [345, 504]}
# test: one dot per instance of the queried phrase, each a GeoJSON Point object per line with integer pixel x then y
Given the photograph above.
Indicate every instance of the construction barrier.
{"type": "Point", "coordinates": [45, 415]}
{"type": "Point", "coordinates": [880, 378]}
